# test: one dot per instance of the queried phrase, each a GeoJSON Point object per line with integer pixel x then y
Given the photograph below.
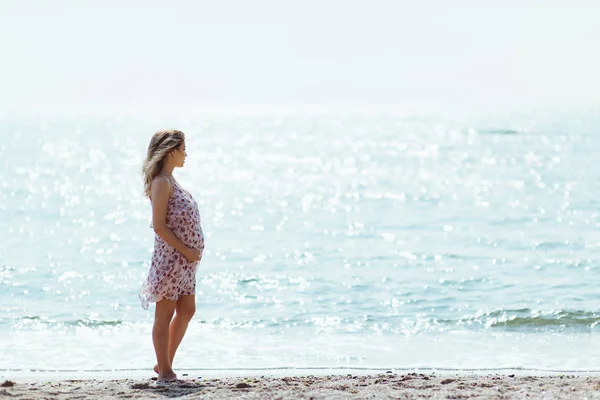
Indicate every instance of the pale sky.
{"type": "Point", "coordinates": [311, 52]}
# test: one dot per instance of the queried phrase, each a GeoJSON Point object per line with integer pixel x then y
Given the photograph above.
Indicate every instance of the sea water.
{"type": "Point", "coordinates": [333, 240]}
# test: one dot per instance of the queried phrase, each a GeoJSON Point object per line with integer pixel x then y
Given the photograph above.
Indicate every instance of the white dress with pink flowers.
{"type": "Point", "coordinates": [171, 275]}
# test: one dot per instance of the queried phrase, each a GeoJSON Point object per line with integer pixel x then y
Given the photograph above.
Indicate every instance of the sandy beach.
{"type": "Point", "coordinates": [382, 386]}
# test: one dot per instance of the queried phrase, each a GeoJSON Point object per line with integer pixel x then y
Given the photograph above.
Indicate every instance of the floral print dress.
{"type": "Point", "coordinates": [171, 275]}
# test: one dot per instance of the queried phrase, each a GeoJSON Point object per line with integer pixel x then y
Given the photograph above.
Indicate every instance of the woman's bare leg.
{"type": "Point", "coordinates": [185, 309]}
{"type": "Point", "coordinates": [160, 338]}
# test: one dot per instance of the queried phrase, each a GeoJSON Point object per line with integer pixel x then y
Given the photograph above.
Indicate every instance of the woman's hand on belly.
{"type": "Point", "coordinates": [191, 254]}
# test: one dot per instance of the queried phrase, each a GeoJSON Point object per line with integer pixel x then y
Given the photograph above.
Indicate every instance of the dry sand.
{"type": "Point", "coordinates": [383, 386]}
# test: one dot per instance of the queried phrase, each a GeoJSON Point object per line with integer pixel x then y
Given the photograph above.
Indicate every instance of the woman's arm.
{"type": "Point", "coordinates": [160, 194]}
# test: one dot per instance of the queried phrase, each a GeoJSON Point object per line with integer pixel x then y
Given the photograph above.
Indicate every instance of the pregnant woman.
{"type": "Point", "coordinates": [178, 247]}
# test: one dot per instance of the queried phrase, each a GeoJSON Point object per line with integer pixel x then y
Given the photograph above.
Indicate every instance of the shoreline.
{"type": "Point", "coordinates": [411, 385]}
{"type": "Point", "coordinates": [38, 375]}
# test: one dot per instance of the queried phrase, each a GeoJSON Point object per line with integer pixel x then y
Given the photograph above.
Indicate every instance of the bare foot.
{"type": "Point", "coordinates": [156, 369]}
{"type": "Point", "coordinates": [168, 376]}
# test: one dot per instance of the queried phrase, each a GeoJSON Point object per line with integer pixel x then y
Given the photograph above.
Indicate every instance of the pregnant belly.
{"type": "Point", "coordinates": [190, 234]}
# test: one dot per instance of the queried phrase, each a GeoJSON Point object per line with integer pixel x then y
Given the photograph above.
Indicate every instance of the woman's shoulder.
{"type": "Point", "coordinates": [162, 183]}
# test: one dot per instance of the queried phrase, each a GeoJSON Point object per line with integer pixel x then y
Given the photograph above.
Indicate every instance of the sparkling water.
{"type": "Point", "coordinates": [332, 241]}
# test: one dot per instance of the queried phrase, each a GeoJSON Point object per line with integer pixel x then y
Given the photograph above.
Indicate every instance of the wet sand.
{"type": "Point", "coordinates": [382, 386]}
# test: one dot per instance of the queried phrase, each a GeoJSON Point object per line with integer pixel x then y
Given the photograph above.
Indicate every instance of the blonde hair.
{"type": "Point", "coordinates": [161, 144]}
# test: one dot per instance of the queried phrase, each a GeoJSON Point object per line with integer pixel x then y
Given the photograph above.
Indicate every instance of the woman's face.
{"type": "Point", "coordinates": [180, 155]}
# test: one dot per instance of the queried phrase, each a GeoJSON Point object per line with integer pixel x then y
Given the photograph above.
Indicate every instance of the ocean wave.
{"type": "Point", "coordinates": [33, 322]}
{"type": "Point", "coordinates": [526, 320]}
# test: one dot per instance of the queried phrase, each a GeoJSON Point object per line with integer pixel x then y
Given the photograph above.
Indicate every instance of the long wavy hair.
{"type": "Point", "coordinates": [161, 144]}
